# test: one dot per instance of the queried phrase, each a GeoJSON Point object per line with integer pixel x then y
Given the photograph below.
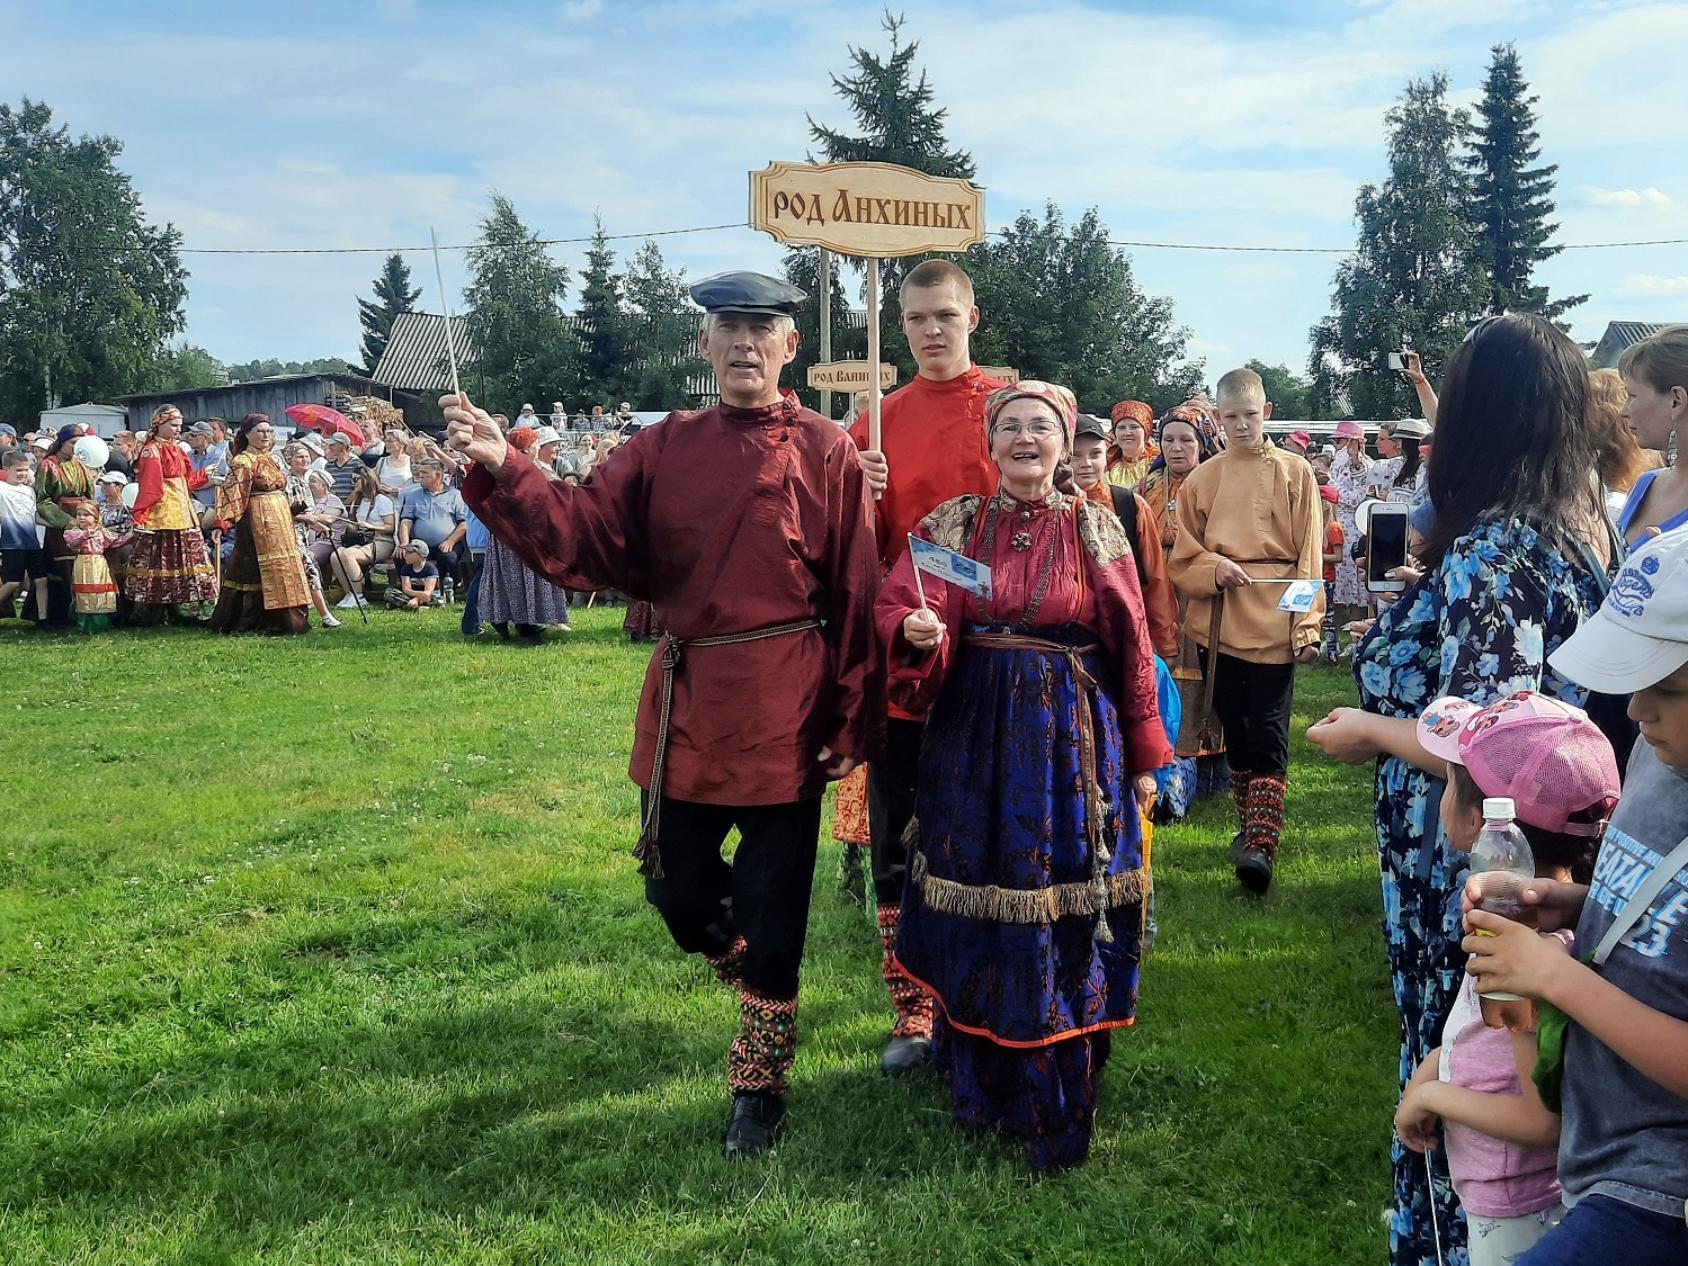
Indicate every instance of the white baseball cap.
{"type": "Point", "coordinates": [1640, 634]}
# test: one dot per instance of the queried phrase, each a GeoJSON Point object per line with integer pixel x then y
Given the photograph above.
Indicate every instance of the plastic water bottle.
{"type": "Point", "coordinates": [1503, 866]}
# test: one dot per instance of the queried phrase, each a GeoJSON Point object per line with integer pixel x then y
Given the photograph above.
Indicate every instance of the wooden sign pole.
{"type": "Point", "coordinates": [826, 324]}
{"type": "Point", "coordinates": [873, 354]}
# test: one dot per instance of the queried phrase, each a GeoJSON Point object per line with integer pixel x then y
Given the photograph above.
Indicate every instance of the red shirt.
{"type": "Point", "coordinates": [726, 520]}
{"type": "Point", "coordinates": [1333, 545]}
{"type": "Point", "coordinates": [933, 438]}
{"type": "Point", "coordinates": [156, 463]}
{"type": "Point", "coordinates": [1102, 598]}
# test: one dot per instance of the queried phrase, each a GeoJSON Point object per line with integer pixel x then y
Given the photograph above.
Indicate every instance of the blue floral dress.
{"type": "Point", "coordinates": [1460, 631]}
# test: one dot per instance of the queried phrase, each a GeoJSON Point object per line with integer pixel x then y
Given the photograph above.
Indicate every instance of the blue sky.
{"type": "Point", "coordinates": [362, 124]}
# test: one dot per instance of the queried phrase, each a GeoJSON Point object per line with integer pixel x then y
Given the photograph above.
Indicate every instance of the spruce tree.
{"type": "Point", "coordinates": [662, 325]}
{"type": "Point", "coordinates": [802, 266]}
{"type": "Point", "coordinates": [515, 317]}
{"type": "Point", "coordinates": [393, 295]}
{"type": "Point", "coordinates": [1511, 200]}
{"type": "Point", "coordinates": [897, 122]}
{"type": "Point", "coordinates": [1413, 279]}
{"type": "Point", "coordinates": [605, 348]}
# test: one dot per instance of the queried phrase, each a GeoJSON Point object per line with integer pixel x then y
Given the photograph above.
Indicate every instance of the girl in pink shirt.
{"type": "Point", "coordinates": [1501, 1141]}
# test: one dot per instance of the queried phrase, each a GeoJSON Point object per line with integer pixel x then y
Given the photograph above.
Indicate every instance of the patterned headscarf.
{"type": "Point", "coordinates": [164, 413]}
{"type": "Point", "coordinates": [1201, 415]}
{"type": "Point", "coordinates": [1132, 409]}
{"type": "Point", "coordinates": [1052, 394]}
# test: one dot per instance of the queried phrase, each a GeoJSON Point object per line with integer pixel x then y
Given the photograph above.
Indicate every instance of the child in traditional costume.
{"type": "Point", "coordinates": [93, 592]}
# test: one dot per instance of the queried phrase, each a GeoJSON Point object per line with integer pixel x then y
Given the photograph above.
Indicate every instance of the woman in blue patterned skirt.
{"type": "Point", "coordinates": [1514, 560]}
{"type": "Point", "coordinates": [1023, 912]}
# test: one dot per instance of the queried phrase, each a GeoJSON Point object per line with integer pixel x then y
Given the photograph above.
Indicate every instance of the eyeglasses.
{"type": "Point", "coordinates": [1039, 430]}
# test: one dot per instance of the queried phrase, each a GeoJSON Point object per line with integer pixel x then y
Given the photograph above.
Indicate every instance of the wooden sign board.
{"type": "Point", "coordinates": [1001, 373]}
{"type": "Point", "coordinates": [873, 210]}
{"type": "Point", "coordinates": [849, 375]}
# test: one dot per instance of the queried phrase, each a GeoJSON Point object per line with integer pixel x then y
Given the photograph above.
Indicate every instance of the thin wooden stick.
{"type": "Point", "coordinates": [918, 587]}
{"type": "Point", "coordinates": [445, 306]}
{"type": "Point", "coordinates": [873, 438]}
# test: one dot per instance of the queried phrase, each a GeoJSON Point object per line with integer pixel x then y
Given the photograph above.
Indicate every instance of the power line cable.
{"type": "Point", "coordinates": [1130, 243]}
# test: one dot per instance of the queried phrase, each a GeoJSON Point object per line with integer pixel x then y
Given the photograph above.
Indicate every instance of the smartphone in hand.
{"type": "Point", "coordinates": [1386, 548]}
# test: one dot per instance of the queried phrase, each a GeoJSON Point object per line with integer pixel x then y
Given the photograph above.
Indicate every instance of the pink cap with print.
{"type": "Point", "coordinates": [1546, 755]}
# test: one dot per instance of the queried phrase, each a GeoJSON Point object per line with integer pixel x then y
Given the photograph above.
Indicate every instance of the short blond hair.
{"type": "Point", "coordinates": [1240, 384]}
{"type": "Point", "coordinates": [935, 272]}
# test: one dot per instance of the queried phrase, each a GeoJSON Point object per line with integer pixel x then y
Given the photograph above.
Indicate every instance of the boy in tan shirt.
{"type": "Point", "coordinates": [1251, 514]}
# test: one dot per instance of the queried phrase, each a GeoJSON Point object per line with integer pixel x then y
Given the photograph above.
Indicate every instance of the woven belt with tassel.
{"type": "Point", "coordinates": [646, 851]}
{"type": "Point", "coordinates": [1094, 806]}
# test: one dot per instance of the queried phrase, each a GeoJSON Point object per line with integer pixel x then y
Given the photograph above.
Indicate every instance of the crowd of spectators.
{"type": "Point", "coordinates": [390, 506]}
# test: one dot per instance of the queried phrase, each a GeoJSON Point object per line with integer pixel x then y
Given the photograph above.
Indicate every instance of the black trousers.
{"type": "Point", "coordinates": [891, 783]}
{"type": "Point", "coordinates": [761, 895]}
{"type": "Point", "coordinates": [1253, 703]}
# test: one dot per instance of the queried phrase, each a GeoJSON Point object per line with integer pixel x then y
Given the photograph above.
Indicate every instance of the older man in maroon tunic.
{"type": "Point", "coordinates": [749, 527]}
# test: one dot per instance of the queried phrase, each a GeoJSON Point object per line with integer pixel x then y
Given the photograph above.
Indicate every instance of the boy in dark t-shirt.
{"type": "Point", "coordinates": [1623, 1146]}
{"type": "Point", "coordinates": [417, 579]}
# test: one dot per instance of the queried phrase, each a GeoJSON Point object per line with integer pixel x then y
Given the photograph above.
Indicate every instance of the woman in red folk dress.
{"type": "Point", "coordinates": [1023, 911]}
{"type": "Point", "coordinates": [169, 566]}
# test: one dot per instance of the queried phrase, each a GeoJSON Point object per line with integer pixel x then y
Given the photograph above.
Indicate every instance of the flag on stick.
{"type": "Point", "coordinates": [967, 573]}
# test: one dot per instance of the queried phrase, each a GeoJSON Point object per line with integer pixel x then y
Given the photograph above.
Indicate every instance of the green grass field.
{"type": "Point", "coordinates": [329, 950]}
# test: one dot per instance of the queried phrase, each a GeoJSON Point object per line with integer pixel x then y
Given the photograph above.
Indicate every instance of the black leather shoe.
{"type": "Point", "coordinates": [904, 1055]}
{"type": "Point", "coordinates": [752, 1126]}
{"type": "Point", "coordinates": [1254, 869]}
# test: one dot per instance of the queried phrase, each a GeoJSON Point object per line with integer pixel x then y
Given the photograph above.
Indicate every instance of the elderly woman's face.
{"type": "Point", "coordinates": [1027, 441]}
{"type": "Point", "coordinates": [1180, 447]}
{"type": "Point", "coordinates": [299, 460]}
{"type": "Point", "coordinates": [1129, 437]}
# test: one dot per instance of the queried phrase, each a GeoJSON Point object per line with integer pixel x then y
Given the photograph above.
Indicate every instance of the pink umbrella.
{"type": "Point", "coordinates": [320, 417]}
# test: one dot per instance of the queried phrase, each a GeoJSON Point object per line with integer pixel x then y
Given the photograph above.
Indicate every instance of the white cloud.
{"type": "Point", "coordinates": [1598, 83]}
{"type": "Point", "coordinates": [1180, 128]}
{"type": "Point", "coordinates": [1648, 197]}
{"type": "Point", "coordinates": [1652, 286]}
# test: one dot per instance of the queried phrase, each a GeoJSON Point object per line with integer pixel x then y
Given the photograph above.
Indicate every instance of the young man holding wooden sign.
{"type": "Point", "coordinates": [748, 527]}
{"type": "Point", "coordinates": [932, 448]}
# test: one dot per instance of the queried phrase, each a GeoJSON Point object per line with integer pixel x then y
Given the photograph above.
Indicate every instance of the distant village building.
{"type": "Point", "coordinates": [273, 395]}
{"type": "Point", "coordinates": [1618, 336]}
{"type": "Point", "coordinates": [106, 419]}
